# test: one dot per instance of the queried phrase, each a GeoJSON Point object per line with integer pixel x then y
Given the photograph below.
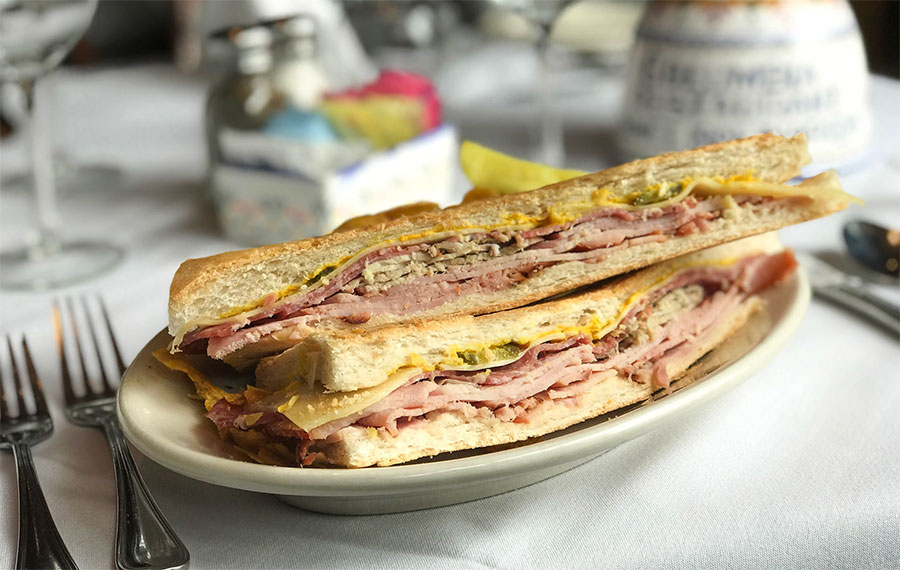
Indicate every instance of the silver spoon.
{"type": "Point", "coordinates": [873, 246]}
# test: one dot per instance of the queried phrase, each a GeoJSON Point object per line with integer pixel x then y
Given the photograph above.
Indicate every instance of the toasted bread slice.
{"type": "Point", "coordinates": [452, 431]}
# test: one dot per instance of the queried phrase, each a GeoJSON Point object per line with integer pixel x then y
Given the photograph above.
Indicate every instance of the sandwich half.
{"type": "Point", "coordinates": [494, 254]}
{"type": "Point", "coordinates": [401, 392]}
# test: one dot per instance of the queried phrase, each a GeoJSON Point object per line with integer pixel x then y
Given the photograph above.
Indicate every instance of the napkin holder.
{"type": "Point", "coordinates": [267, 195]}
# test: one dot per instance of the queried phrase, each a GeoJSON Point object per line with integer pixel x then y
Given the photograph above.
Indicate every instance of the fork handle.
{"type": "Point", "coordinates": [40, 545]}
{"type": "Point", "coordinates": [144, 538]}
{"type": "Point", "coordinates": [878, 310]}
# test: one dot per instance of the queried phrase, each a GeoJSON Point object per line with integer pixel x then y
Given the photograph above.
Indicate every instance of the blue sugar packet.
{"type": "Point", "coordinates": [303, 125]}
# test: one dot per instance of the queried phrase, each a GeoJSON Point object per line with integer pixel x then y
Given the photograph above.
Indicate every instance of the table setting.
{"type": "Point", "coordinates": [780, 454]}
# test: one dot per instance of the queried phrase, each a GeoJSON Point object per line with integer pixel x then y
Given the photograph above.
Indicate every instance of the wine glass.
{"type": "Point", "coordinates": [72, 174]}
{"type": "Point", "coordinates": [542, 14]}
{"type": "Point", "coordinates": [35, 36]}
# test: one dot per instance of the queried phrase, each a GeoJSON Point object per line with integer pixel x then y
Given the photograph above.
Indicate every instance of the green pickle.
{"type": "Point", "coordinates": [492, 354]}
{"type": "Point", "coordinates": [664, 192]}
{"type": "Point", "coordinates": [318, 276]}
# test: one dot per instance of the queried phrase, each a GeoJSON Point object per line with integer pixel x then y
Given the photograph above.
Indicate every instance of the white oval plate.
{"type": "Point", "coordinates": [167, 426]}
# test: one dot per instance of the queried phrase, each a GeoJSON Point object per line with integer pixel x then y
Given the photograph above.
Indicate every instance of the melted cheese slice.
{"type": "Point", "coordinates": [206, 390]}
{"type": "Point", "coordinates": [824, 186]}
{"type": "Point", "coordinates": [307, 407]}
{"type": "Point", "coordinates": [310, 407]}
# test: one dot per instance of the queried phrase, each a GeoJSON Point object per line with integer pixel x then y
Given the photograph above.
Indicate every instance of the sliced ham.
{"type": "Point", "coordinates": [554, 370]}
{"type": "Point", "coordinates": [490, 262]}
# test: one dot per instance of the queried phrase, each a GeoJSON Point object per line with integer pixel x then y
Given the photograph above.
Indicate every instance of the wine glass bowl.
{"type": "Point", "coordinates": [35, 35]}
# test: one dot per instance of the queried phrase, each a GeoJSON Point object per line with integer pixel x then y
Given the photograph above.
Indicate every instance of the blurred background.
{"type": "Point", "coordinates": [260, 121]}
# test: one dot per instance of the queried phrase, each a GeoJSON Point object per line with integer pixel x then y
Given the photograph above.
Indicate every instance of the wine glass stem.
{"type": "Point", "coordinates": [552, 146]}
{"type": "Point", "coordinates": [44, 242]}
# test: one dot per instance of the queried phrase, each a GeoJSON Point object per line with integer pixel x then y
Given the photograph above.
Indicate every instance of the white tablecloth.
{"type": "Point", "coordinates": [798, 467]}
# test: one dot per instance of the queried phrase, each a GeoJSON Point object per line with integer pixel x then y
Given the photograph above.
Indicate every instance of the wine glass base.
{"type": "Point", "coordinates": [69, 263]}
{"type": "Point", "coordinates": [74, 178]}
{"type": "Point", "coordinates": [87, 177]}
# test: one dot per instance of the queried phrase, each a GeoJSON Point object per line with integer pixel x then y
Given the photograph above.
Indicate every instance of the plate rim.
{"type": "Point", "coordinates": [407, 479]}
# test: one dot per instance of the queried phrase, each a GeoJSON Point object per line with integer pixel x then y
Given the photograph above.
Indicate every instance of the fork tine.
{"type": "Point", "coordinates": [73, 321]}
{"type": "Point", "coordinates": [17, 381]}
{"type": "Point", "coordinates": [90, 321]}
{"type": "Point", "coordinates": [37, 389]}
{"type": "Point", "coordinates": [112, 336]}
{"type": "Point", "coordinates": [61, 349]}
{"type": "Point", "coordinates": [4, 412]}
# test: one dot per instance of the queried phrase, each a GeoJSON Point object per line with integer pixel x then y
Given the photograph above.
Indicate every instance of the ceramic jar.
{"type": "Point", "coordinates": [703, 72]}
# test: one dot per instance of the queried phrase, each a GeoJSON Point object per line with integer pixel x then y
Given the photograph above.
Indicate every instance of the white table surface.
{"type": "Point", "coordinates": [798, 467]}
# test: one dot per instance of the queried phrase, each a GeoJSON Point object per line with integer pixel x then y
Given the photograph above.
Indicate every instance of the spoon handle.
{"type": "Point", "coordinates": [879, 310]}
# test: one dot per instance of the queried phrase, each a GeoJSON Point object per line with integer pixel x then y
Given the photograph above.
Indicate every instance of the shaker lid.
{"type": "Point", "coordinates": [302, 26]}
{"type": "Point", "coordinates": [253, 37]}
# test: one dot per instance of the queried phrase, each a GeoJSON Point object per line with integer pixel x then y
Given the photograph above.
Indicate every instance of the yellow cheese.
{"type": "Point", "coordinates": [417, 361]}
{"type": "Point", "coordinates": [251, 419]}
{"type": "Point", "coordinates": [310, 407]}
{"type": "Point", "coordinates": [307, 407]}
{"type": "Point", "coordinates": [259, 302]}
{"type": "Point", "coordinates": [826, 185]}
{"type": "Point", "coordinates": [208, 392]}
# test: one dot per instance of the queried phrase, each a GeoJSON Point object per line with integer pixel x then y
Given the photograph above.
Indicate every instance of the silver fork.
{"type": "Point", "coordinates": [40, 545]}
{"type": "Point", "coordinates": [144, 539]}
